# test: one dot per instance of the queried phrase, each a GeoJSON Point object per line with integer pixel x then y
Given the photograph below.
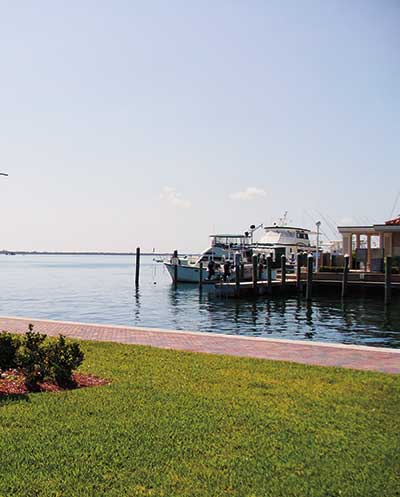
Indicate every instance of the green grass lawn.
{"type": "Point", "coordinates": [180, 424]}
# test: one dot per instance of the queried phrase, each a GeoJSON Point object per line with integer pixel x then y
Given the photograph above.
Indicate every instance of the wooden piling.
{"type": "Point", "coordinates": [283, 272]}
{"type": "Point", "coordinates": [388, 279]}
{"type": "Point", "coordinates": [238, 270]}
{"type": "Point", "coordinates": [269, 273]}
{"type": "Point", "coordinates": [176, 261]}
{"type": "Point", "coordinates": [345, 274]}
{"type": "Point", "coordinates": [255, 272]}
{"type": "Point", "coordinates": [137, 271]}
{"type": "Point", "coordinates": [310, 266]}
{"type": "Point", "coordinates": [298, 272]}
{"type": "Point", "coordinates": [200, 276]}
{"type": "Point", "coordinates": [241, 271]}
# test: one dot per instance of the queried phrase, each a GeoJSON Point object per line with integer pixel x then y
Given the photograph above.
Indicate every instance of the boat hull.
{"type": "Point", "coordinates": [189, 274]}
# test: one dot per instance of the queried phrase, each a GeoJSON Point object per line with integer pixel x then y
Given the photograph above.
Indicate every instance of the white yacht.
{"type": "Point", "coordinates": [284, 240]}
{"type": "Point", "coordinates": [277, 240]}
{"type": "Point", "coordinates": [222, 247]}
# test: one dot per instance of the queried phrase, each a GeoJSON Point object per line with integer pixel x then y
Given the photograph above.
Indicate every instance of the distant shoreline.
{"type": "Point", "coordinates": [35, 252]}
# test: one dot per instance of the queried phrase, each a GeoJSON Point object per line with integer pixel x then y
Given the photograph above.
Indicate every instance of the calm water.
{"type": "Point", "coordinates": [100, 289]}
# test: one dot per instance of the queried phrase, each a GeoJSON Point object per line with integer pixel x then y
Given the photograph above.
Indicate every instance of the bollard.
{"type": "Point", "coordinates": [269, 273]}
{"type": "Point", "coordinates": [388, 279]}
{"type": "Point", "coordinates": [298, 272]}
{"type": "Point", "coordinates": [200, 276]}
{"type": "Point", "coordinates": [137, 267]}
{"type": "Point", "coordinates": [241, 271]}
{"type": "Point", "coordinates": [255, 264]}
{"type": "Point", "coordinates": [310, 264]}
{"type": "Point", "coordinates": [345, 274]}
{"type": "Point", "coordinates": [283, 272]}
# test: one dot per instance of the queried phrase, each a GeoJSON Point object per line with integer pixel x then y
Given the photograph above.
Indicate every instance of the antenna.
{"type": "Point", "coordinates": [283, 220]}
{"type": "Point", "coordinates": [394, 205]}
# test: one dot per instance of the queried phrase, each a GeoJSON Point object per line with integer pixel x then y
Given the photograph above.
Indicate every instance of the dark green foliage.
{"type": "Point", "coordinates": [32, 358]}
{"type": "Point", "coordinates": [41, 359]}
{"type": "Point", "coordinates": [8, 350]}
{"type": "Point", "coordinates": [63, 358]}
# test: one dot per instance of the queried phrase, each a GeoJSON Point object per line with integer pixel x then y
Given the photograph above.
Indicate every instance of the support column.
{"type": "Point", "coordinates": [388, 244]}
{"type": "Point", "coordinates": [348, 246]}
{"type": "Point", "coordinates": [358, 243]}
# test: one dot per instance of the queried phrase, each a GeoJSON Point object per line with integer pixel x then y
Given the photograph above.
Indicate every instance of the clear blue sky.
{"type": "Point", "coordinates": [154, 123]}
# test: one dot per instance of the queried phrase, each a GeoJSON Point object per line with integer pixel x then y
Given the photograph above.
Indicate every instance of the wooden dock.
{"type": "Point", "coordinates": [331, 282]}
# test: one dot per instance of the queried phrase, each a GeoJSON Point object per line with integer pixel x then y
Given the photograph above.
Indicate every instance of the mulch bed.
{"type": "Point", "coordinates": [12, 383]}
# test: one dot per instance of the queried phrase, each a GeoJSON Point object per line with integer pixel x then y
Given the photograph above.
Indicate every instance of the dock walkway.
{"type": "Point", "coordinates": [312, 353]}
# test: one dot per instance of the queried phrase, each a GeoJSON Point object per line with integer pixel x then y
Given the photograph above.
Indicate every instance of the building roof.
{"type": "Point", "coordinates": [393, 222]}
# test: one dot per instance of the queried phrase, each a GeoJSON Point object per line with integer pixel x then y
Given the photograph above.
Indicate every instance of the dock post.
{"type": "Point", "coordinates": [345, 274]}
{"type": "Point", "coordinates": [255, 273]}
{"type": "Point", "coordinates": [176, 268]}
{"type": "Point", "coordinates": [137, 271]}
{"type": "Point", "coordinates": [241, 271]}
{"type": "Point", "coordinates": [201, 277]}
{"type": "Point", "coordinates": [283, 272]}
{"type": "Point", "coordinates": [269, 273]}
{"type": "Point", "coordinates": [310, 266]}
{"type": "Point", "coordinates": [238, 270]}
{"type": "Point", "coordinates": [388, 279]}
{"type": "Point", "coordinates": [298, 272]}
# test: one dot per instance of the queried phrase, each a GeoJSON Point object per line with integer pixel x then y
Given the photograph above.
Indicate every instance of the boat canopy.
{"type": "Point", "coordinates": [230, 240]}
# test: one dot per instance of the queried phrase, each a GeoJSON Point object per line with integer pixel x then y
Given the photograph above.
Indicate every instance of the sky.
{"type": "Point", "coordinates": [153, 124]}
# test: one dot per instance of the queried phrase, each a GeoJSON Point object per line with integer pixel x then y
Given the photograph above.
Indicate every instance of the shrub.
{"type": "Point", "coordinates": [63, 358]}
{"type": "Point", "coordinates": [32, 358]}
{"type": "Point", "coordinates": [8, 351]}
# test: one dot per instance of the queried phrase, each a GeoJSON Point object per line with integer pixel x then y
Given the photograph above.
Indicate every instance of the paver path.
{"type": "Point", "coordinates": [323, 354]}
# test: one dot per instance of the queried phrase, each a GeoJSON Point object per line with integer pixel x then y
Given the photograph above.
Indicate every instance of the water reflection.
{"type": "Point", "coordinates": [87, 289]}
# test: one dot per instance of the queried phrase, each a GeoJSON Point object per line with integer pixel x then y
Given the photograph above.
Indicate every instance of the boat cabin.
{"type": "Point", "coordinates": [224, 246]}
{"type": "Point", "coordinates": [284, 240]}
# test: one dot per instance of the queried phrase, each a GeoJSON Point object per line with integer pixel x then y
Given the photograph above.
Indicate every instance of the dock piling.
{"type": "Point", "coordinates": [388, 279]}
{"type": "Point", "coordinates": [201, 277]}
{"type": "Point", "coordinates": [283, 272]}
{"type": "Point", "coordinates": [241, 271]}
{"type": "Point", "coordinates": [310, 266]}
{"type": "Point", "coordinates": [298, 272]}
{"type": "Point", "coordinates": [238, 270]}
{"type": "Point", "coordinates": [137, 271]}
{"type": "Point", "coordinates": [176, 268]}
{"type": "Point", "coordinates": [269, 273]}
{"type": "Point", "coordinates": [345, 274]}
{"type": "Point", "coordinates": [255, 273]}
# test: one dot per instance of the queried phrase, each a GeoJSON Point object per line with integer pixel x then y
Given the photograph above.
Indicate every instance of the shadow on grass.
{"type": "Point", "coordinates": [13, 397]}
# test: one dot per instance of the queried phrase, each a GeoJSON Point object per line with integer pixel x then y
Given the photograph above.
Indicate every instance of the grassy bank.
{"type": "Point", "coordinates": [179, 424]}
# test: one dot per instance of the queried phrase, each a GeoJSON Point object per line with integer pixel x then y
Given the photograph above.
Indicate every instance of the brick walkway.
{"type": "Point", "coordinates": [347, 356]}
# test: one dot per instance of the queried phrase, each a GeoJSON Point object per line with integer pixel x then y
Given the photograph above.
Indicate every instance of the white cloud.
{"type": "Point", "coordinates": [250, 193]}
{"type": "Point", "coordinates": [173, 197]}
